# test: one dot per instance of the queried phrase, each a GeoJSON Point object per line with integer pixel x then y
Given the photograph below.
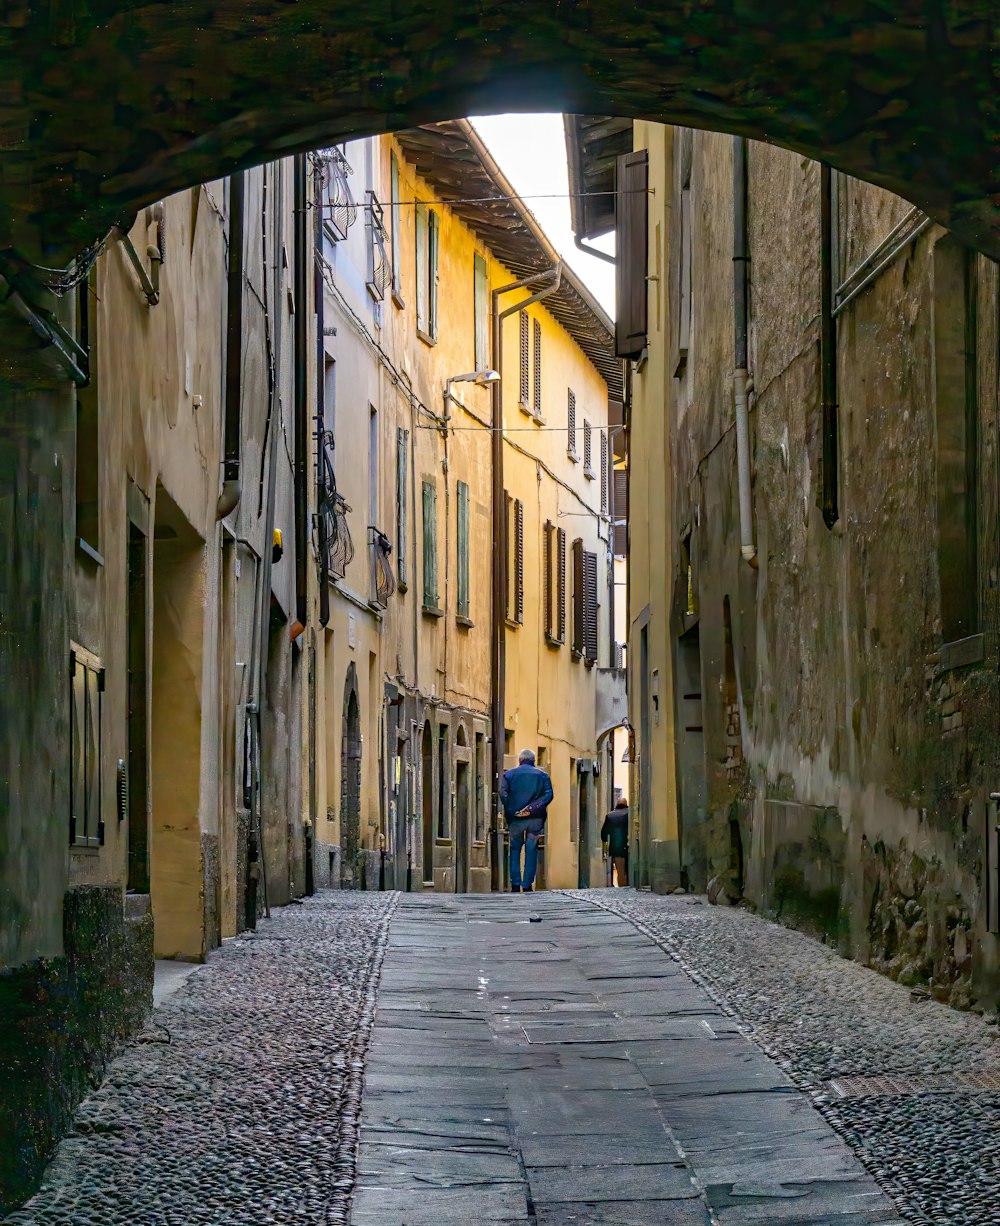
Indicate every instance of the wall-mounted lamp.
{"type": "Point", "coordinates": [479, 377]}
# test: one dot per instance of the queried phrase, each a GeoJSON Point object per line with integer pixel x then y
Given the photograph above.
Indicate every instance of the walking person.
{"type": "Point", "coordinates": [614, 833]}
{"type": "Point", "coordinates": [526, 793]}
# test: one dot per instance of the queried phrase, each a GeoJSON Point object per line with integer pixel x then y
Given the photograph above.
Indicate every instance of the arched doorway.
{"type": "Point", "coordinates": [427, 801]}
{"type": "Point", "coordinates": [860, 89]}
{"type": "Point", "coordinates": [350, 786]}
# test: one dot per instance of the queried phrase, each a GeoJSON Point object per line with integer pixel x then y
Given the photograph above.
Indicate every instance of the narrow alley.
{"type": "Point", "coordinates": [572, 1057]}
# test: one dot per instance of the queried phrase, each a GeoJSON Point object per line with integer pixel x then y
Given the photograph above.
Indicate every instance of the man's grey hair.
{"type": "Point", "coordinates": [527, 755]}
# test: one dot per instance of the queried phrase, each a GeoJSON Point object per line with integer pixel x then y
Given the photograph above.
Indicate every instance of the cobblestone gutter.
{"type": "Point", "coordinates": [240, 1102]}
{"type": "Point", "coordinates": [912, 1085]}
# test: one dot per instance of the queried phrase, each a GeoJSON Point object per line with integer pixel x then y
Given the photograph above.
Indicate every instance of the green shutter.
{"type": "Point", "coordinates": [482, 313]}
{"type": "Point", "coordinates": [463, 549]}
{"type": "Point", "coordinates": [402, 462]}
{"type": "Point", "coordinates": [394, 201]}
{"type": "Point", "coordinates": [430, 546]}
{"type": "Point", "coordinates": [433, 227]}
{"type": "Point", "coordinates": [421, 249]}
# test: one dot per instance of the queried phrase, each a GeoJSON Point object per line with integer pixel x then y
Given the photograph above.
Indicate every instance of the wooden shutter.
{"type": "Point", "coordinates": [631, 237]}
{"type": "Point", "coordinates": [561, 585]}
{"type": "Point", "coordinates": [604, 472]}
{"type": "Point", "coordinates": [621, 512]}
{"type": "Point", "coordinates": [433, 236]}
{"type": "Point", "coordinates": [537, 402]}
{"type": "Point", "coordinates": [402, 483]}
{"type": "Point", "coordinates": [420, 243]}
{"type": "Point", "coordinates": [548, 577]}
{"type": "Point", "coordinates": [508, 604]}
{"type": "Point", "coordinates": [523, 338]}
{"type": "Point", "coordinates": [579, 634]}
{"type": "Point", "coordinates": [430, 546]}
{"type": "Point", "coordinates": [590, 606]}
{"type": "Point", "coordinates": [588, 447]}
{"type": "Point", "coordinates": [463, 549]}
{"type": "Point", "coordinates": [394, 218]}
{"type": "Point", "coordinates": [481, 310]}
{"type": "Point", "coordinates": [571, 421]}
{"type": "Point", "coordinates": [518, 561]}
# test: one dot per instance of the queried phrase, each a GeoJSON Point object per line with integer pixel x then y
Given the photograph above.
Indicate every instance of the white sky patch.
{"type": "Point", "coordinates": [531, 151]}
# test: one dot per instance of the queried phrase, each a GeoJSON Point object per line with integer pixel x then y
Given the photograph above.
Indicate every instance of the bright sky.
{"type": "Point", "coordinates": [531, 151]}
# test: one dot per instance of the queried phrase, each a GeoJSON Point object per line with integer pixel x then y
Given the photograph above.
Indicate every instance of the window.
{"type": "Point", "coordinates": [631, 227]}
{"type": "Point", "coordinates": [372, 466]}
{"type": "Point", "coordinates": [515, 560]}
{"type": "Point", "coordinates": [481, 313]}
{"type": "Point", "coordinates": [554, 546]}
{"type": "Point", "coordinates": [620, 511]}
{"type": "Point", "coordinates": [588, 450]}
{"type": "Point", "coordinates": [684, 304]}
{"type": "Point", "coordinates": [571, 425]}
{"type": "Point", "coordinates": [585, 608]}
{"type": "Point", "coordinates": [463, 552]}
{"type": "Point", "coordinates": [86, 829]}
{"type": "Point", "coordinates": [427, 241]}
{"type": "Point", "coordinates": [379, 268]}
{"type": "Point", "coordinates": [88, 451]}
{"type": "Point", "coordinates": [956, 409]}
{"type": "Point", "coordinates": [394, 221]}
{"type": "Point", "coordinates": [604, 473]}
{"type": "Point", "coordinates": [430, 548]}
{"type": "Point", "coordinates": [523, 328]}
{"type": "Point", "coordinates": [341, 211]}
{"type": "Point", "coordinates": [402, 487]}
{"type": "Point", "coordinates": [537, 337]}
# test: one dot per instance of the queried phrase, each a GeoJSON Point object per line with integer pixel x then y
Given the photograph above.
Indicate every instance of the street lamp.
{"type": "Point", "coordinates": [480, 377]}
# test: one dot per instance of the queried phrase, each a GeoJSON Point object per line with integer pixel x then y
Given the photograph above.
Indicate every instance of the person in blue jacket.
{"type": "Point", "coordinates": [526, 793]}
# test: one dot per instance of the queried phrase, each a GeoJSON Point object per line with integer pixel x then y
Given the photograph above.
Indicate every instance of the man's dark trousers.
{"type": "Point", "coordinates": [524, 832]}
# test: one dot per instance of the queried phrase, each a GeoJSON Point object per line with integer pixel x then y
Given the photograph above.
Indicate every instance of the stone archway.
{"type": "Point", "coordinates": [350, 784]}
{"type": "Point", "coordinates": [110, 110]}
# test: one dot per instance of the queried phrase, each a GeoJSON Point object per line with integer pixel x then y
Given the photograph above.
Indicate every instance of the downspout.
{"type": "Point", "coordinates": [301, 405]}
{"type": "Point", "coordinates": [828, 351]}
{"type": "Point", "coordinates": [232, 485]}
{"type": "Point", "coordinates": [588, 250]}
{"type": "Point", "coordinates": [318, 293]}
{"type": "Point", "coordinates": [498, 621]}
{"type": "Point", "coordinates": [741, 374]}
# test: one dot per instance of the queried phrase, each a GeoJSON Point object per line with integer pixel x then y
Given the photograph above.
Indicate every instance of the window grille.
{"type": "Point", "coordinates": [548, 585]}
{"type": "Point", "coordinates": [588, 447]}
{"type": "Point", "coordinates": [537, 402]}
{"type": "Point", "coordinates": [341, 210]}
{"type": "Point", "coordinates": [571, 423]}
{"type": "Point", "coordinates": [604, 473]}
{"type": "Point", "coordinates": [86, 827]}
{"type": "Point", "coordinates": [379, 265]}
{"type": "Point", "coordinates": [525, 373]}
{"type": "Point", "coordinates": [335, 536]}
{"type": "Point", "coordinates": [561, 586]}
{"type": "Point", "coordinates": [384, 580]}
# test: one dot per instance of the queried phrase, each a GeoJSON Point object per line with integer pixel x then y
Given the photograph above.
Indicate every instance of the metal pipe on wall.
{"type": "Point", "coordinates": [828, 353]}
{"type": "Point", "coordinates": [741, 373]}
{"type": "Point", "coordinates": [232, 485]}
{"type": "Point", "coordinates": [319, 305]}
{"type": "Point", "coordinates": [303, 252]}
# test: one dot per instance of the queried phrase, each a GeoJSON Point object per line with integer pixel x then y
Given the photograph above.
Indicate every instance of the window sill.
{"type": "Point", "coordinates": [512, 624]}
{"type": "Point", "coordinates": [430, 610]}
{"type": "Point", "coordinates": [537, 418]}
{"type": "Point", "coordinates": [397, 299]}
{"type": "Point", "coordinates": [554, 643]}
{"type": "Point", "coordinates": [571, 452]}
{"type": "Point", "coordinates": [590, 474]}
{"type": "Point", "coordinates": [465, 622]}
{"type": "Point", "coordinates": [426, 337]}
{"type": "Point", "coordinates": [89, 551]}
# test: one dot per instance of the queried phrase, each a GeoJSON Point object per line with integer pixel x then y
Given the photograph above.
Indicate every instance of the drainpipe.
{"type": "Point", "coordinates": [551, 279]}
{"type": "Point", "coordinates": [318, 292]}
{"type": "Point", "coordinates": [301, 406]}
{"type": "Point", "coordinates": [828, 350]}
{"type": "Point", "coordinates": [741, 374]}
{"type": "Point", "coordinates": [588, 250]}
{"type": "Point", "coordinates": [232, 486]}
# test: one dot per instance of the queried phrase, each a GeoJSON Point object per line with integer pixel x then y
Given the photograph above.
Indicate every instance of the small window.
{"type": "Point", "coordinates": [523, 335]}
{"type": "Point", "coordinates": [481, 313]}
{"type": "Point", "coordinates": [585, 606]}
{"type": "Point", "coordinates": [571, 425]}
{"type": "Point", "coordinates": [86, 829]}
{"type": "Point", "coordinates": [536, 403]}
{"type": "Point", "coordinates": [684, 306]}
{"type": "Point", "coordinates": [604, 473]}
{"type": "Point", "coordinates": [379, 267]}
{"type": "Point", "coordinates": [560, 618]}
{"type": "Point", "coordinates": [554, 548]}
{"type": "Point", "coordinates": [430, 601]}
{"type": "Point", "coordinates": [88, 450]}
{"type": "Point", "coordinates": [395, 222]}
{"type": "Point", "coordinates": [463, 551]}
{"type": "Point", "coordinates": [402, 490]}
{"type": "Point", "coordinates": [588, 450]}
{"type": "Point", "coordinates": [515, 561]}
{"type": "Point", "coordinates": [427, 242]}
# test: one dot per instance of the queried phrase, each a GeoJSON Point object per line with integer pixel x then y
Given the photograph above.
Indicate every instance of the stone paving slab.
{"type": "Point", "coordinates": [602, 1075]}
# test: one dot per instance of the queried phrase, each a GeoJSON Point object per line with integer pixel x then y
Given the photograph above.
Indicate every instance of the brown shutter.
{"type": "Point", "coordinates": [571, 421]}
{"type": "Point", "coordinates": [590, 607]}
{"type": "Point", "coordinates": [519, 560]}
{"type": "Point", "coordinates": [561, 586]}
{"type": "Point", "coordinates": [537, 405]}
{"type": "Point", "coordinates": [588, 449]}
{"type": "Point", "coordinates": [508, 503]}
{"type": "Point", "coordinates": [631, 223]}
{"type": "Point", "coordinates": [621, 512]}
{"type": "Point", "coordinates": [604, 472]}
{"type": "Point", "coordinates": [523, 337]}
{"type": "Point", "coordinates": [579, 632]}
{"type": "Point", "coordinates": [548, 586]}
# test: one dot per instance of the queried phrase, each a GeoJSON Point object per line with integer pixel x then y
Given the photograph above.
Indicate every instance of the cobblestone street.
{"type": "Point", "coordinates": [629, 1058]}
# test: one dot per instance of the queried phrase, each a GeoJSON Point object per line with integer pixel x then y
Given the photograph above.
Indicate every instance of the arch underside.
{"type": "Point", "coordinates": [112, 107]}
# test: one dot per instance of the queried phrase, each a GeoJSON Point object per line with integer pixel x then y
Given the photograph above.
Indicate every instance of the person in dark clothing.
{"type": "Point", "coordinates": [614, 833]}
{"type": "Point", "coordinates": [526, 792]}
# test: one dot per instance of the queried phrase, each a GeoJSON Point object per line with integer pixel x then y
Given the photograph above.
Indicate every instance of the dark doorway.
{"type": "Point", "coordinates": [137, 716]}
{"type": "Point", "coordinates": [462, 818]}
{"type": "Point", "coordinates": [350, 784]}
{"type": "Point", "coordinates": [427, 800]}
{"type": "Point", "coordinates": [645, 742]}
{"type": "Point", "coordinates": [443, 797]}
{"type": "Point", "coordinates": [583, 826]}
{"type": "Point", "coordinates": [690, 740]}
